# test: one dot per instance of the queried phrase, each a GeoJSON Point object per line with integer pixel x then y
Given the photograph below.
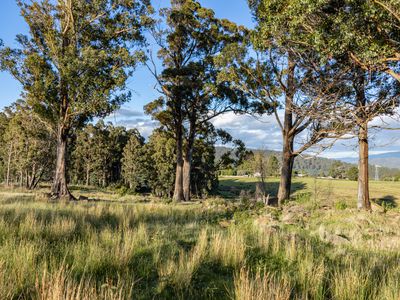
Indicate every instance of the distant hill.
{"type": "Point", "coordinates": [314, 166]}
{"type": "Point", "coordinates": [320, 166]}
{"type": "Point", "coordinates": [388, 160]}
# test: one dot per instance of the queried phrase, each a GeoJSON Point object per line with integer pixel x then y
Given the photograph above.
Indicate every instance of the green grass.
{"type": "Point", "coordinates": [124, 248]}
{"type": "Point", "coordinates": [323, 190]}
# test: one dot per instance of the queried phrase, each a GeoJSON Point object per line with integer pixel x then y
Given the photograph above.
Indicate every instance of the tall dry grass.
{"type": "Point", "coordinates": [159, 251]}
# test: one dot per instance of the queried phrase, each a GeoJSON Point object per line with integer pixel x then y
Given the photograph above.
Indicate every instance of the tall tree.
{"type": "Point", "coordinates": [360, 37]}
{"type": "Point", "coordinates": [300, 93]}
{"type": "Point", "coordinates": [74, 64]}
{"type": "Point", "coordinates": [367, 31]}
{"type": "Point", "coordinates": [372, 95]}
{"type": "Point", "coordinates": [192, 95]}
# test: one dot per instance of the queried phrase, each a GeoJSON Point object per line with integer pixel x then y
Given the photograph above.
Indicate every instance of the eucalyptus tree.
{"type": "Point", "coordinates": [367, 31]}
{"type": "Point", "coordinates": [192, 96]}
{"type": "Point", "coordinates": [372, 96]}
{"type": "Point", "coordinates": [74, 63]}
{"type": "Point", "coordinates": [300, 93]}
{"type": "Point", "coordinates": [361, 38]}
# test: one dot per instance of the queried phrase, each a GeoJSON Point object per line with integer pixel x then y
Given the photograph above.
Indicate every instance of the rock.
{"type": "Point", "coordinates": [267, 223]}
{"type": "Point", "coordinates": [295, 214]}
{"type": "Point", "coordinates": [224, 223]}
{"type": "Point", "coordinates": [338, 239]}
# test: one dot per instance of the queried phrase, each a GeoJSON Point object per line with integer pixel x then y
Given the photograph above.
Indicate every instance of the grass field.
{"type": "Point", "coordinates": [323, 190]}
{"type": "Point", "coordinates": [134, 247]}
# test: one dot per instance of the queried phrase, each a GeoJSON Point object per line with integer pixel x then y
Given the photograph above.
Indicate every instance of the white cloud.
{"type": "Point", "coordinates": [264, 132]}
{"type": "Point", "coordinates": [256, 132]}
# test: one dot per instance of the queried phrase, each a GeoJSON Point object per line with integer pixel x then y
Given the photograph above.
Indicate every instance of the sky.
{"type": "Point", "coordinates": [261, 133]}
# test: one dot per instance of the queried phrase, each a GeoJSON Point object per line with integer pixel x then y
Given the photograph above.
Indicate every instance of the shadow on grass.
{"type": "Point", "coordinates": [230, 188]}
{"type": "Point", "coordinates": [388, 201]}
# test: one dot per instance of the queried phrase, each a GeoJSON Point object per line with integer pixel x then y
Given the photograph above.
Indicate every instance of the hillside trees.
{"type": "Point", "coordinates": [162, 157]}
{"type": "Point", "coordinates": [74, 64]}
{"type": "Point", "coordinates": [192, 96]}
{"type": "Point", "coordinates": [352, 173]}
{"type": "Point", "coordinates": [150, 166]}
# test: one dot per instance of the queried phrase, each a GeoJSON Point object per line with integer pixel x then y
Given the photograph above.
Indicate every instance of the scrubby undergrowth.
{"type": "Point", "coordinates": [210, 250]}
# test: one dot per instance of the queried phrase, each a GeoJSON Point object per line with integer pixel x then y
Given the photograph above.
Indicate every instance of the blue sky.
{"type": "Point", "coordinates": [256, 133]}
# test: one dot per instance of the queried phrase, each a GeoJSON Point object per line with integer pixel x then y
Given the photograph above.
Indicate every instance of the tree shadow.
{"type": "Point", "coordinates": [388, 201]}
{"type": "Point", "coordinates": [231, 188]}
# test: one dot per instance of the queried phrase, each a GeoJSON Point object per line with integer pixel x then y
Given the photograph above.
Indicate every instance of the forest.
{"type": "Point", "coordinates": [190, 211]}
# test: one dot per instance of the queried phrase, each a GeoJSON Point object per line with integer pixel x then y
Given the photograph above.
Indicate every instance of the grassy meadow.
{"type": "Point", "coordinates": [327, 191]}
{"type": "Point", "coordinates": [228, 247]}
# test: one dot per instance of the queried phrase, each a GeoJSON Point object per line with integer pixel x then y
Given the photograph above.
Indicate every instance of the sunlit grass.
{"type": "Point", "coordinates": [130, 250]}
{"type": "Point", "coordinates": [324, 190]}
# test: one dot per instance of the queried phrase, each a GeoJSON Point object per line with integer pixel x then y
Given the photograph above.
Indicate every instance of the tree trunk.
{"type": "Point", "coordinates": [187, 166]}
{"type": "Point", "coordinates": [9, 164]}
{"type": "Point", "coordinates": [288, 135]}
{"type": "Point", "coordinates": [286, 171]}
{"type": "Point", "coordinates": [87, 175]}
{"type": "Point", "coordinates": [31, 178]}
{"type": "Point", "coordinates": [362, 117]}
{"type": "Point", "coordinates": [59, 188]}
{"type": "Point", "coordinates": [178, 191]}
{"type": "Point", "coordinates": [363, 177]}
{"type": "Point", "coordinates": [104, 180]}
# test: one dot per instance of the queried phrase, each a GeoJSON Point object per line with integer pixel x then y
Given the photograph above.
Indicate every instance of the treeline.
{"type": "Point", "coordinates": [325, 70]}
{"type": "Point", "coordinates": [105, 155]}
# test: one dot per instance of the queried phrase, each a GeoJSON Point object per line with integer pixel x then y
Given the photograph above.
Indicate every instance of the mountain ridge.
{"type": "Point", "coordinates": [320, 166]}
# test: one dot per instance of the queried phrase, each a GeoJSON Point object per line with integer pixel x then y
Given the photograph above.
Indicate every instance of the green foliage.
{"type": "Point", "coordinates": [134, 163]}
{"type": "Point", "coordinates": [75, 61]}
{"type": "Point", "coordinates": [273, 166]}
{"type": "Point", "coordinates": [352, 173]}
{"type": "Point", "coordinates": [204, 172]}
{"type": "Point", "coordinates": [191, 94]}
{"type": "Point", "coordinates": [97, 152]}
{"type": "Point", "coordinates": [28, 147]}
{"type": "Point", "coordinates": [338, 170]}
{"type": "Point", "coordinates": [161, 155]}
{"type": "Point", "coordinates": [366, 31]}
